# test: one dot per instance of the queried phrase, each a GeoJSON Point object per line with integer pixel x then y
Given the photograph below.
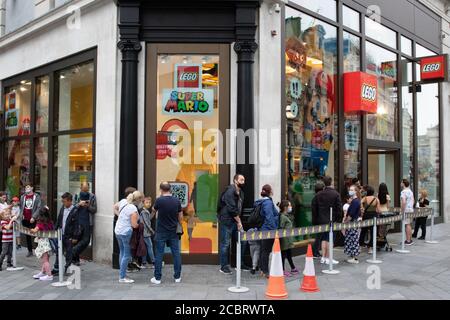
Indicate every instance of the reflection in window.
{"type": "Point", "coordinates": [383, 64]}
{"type": "Point", "coordinates": [428, 143]}
{"type": "Point", "coordinates": [351, 18]}
{"type": "Point", "coordinates": [42, 102]}
{"type": "Point", "coordinates": [311, 142]}
{"type": "Point", "coordinates": [73, 163]}
{"type": "Point", "coordinates": [408, 123]}
{"type": "Point", "coordinates": [326, 8]}
{"type": "Point", "coordinates": [17, 166]}
{"type": "Point", "coordinates": [41, 167]}
{"type": "Point", "coordinates": [406, 46]}
{"type": "Point", "coordinates": [17, 109]}
{"type": "Point", "coordinates": [381, 33]}
{"type": "Point", "coordinates": [75, 103]}
{"type": "Point", "coordinates": [352, 153]}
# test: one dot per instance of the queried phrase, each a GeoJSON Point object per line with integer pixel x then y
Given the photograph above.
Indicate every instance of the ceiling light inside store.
{"type": "Point", "coordinates": [164, 59]}
{"type": "Point", "coordinates": [62, 76]}
{"type": "Point", "coordinates": [185, 60]}
{"type": "Point", "coordinates": [205, 59]}
{"type": "Point", "coordinates": [313, 61]}
{"type": "Point", "coordinates": [381, 111]}
{"type": "Point", "coordinates": [23, 89]}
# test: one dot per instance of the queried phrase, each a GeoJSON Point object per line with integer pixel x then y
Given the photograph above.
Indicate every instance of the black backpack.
{"type": "Point", "coordinates": [256, 220]}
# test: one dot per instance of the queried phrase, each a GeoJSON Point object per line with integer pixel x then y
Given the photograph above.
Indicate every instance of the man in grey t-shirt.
{"type": "Point", "coordinates": [407, 201]}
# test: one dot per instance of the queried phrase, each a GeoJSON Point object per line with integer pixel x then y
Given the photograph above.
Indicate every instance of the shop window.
{"type": "Point", "coordinates": [42, 102]}
{"type": "Point", "coordinates": [75, 99]}
{"type": "Point", "coordinates": [351, 18]}
{"type": "Point", "coordinates": [326, 8]}
{"type": "Point", "coordinates": [381, 33]}
{"type": "Point", "coordinates": [421, 52]}
{"type": "Point", "coordinates": [406, 46]}
{"type": "Point", "coordinates": [17, 109]}
{"type": "Point", "coordinates": [428, 140]}
{"type": "Point", "coordinates": [187, 142]}
{"type": "Point", "coordinates": [352, 153]}
{"type": "Point", "coordinates": [73, 163]}
{"type": "Point", "coordinates": [311, 113]}
{"type": "Point", "coordinates": [383, 64]}
{"type": "Point", "coordinates": [17, 166]}
{"type": "Point", "coordinates": [41, 167]}
{"type": "Point", "coordinates": [408, 122]}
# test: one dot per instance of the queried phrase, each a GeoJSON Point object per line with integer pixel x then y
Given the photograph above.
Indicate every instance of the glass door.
{"type": "Point", "coordinates": [187, 113]}
{"type": "Point", "coordinates": [382, 168]}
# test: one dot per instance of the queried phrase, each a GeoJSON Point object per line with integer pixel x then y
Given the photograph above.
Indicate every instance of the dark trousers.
{"type": "Point", "coordinates": [82, 244]}
{"type": "Point", "coordinates": [266, 249]}
{"type": "Point", "coordinates": [317, 245]}
{"type": "Point", "coordinates": [7, 248]}
{"type": "Point", "coordinates": [28, 224]}
{"type": "Point", "coordinates": [422, 224]}
{"type": "Point", "coordinates": [287, 254]}
{"type": "Point", "coordinates": [68, 253]}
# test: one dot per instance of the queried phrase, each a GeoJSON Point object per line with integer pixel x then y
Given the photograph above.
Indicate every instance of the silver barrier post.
{"type": "Point", "coordinates": [14, 253]}
{"type": "Point", "coordinates": [238, 288]}
{"type": "Point", "coordinates": [431, 229]}
{"type": "Point", "coordinates": [330, 248]}
{"type": "Point", "coordinates": [374, 244]}
{"type": "Point", "coordinates": [403, 250]}
{"type": "Point", "coordinates": [61, 282]}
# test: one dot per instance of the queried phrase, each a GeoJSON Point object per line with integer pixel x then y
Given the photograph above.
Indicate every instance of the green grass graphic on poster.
{"type": "Point", "coordinates": [205, 197]}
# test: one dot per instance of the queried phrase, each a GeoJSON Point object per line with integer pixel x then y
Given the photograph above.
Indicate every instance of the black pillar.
{"type": "Point", "coordinates": [128, 149]}
{"type": "Point", "coordinates": [245, 50]}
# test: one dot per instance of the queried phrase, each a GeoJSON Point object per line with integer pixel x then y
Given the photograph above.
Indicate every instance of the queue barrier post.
{"type": "Point", "coordinates": [61, 282]}
{"type": "Point", "coordinates": [374, 244]}
{"type": "Point", "coordinates": [14, 253]}
{"type": "Point", "coordinates": [330, 248]}
{"type": "Point", "coordinates": [403, 250]}
{"type": "Point", "coordinates": [238, 288]}
{"type": "Point", "coordinates": [431, 241]}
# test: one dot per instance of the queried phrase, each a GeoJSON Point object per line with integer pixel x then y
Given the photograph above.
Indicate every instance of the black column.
{"type": "Point", "coordinates": [128, 149]}
{"type": "Point", "coordinates": [245, 116]}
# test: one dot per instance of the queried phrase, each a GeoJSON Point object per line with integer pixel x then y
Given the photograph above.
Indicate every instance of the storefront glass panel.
{"type": "Point", "coordinates": [311, 112]}
{"type": "Point", "coordinates": [351, 18]}
{"type": "Point", "coordinates": [326, 8]}
{"type": "Point", "coordinates": [41, 167]}
{"type": "Point", "coordinates": [17, 166]}
{"type": "Point", "coordinates": [383, 63]}
{"type": "Point", "coordinates": [381, 33]}
{"type": "Point", "coordinates": [187, 143]}
{"type": "Point", "coordinates": [17, 109]}
{"type": "Point", "coordinates": [428, 140]}
{"type": "Point", "coordinates": [42, 103]}
{"type": "Point", "coordinates": [406, 46]}
{"type": "Point", "coordinates": [408, 123]}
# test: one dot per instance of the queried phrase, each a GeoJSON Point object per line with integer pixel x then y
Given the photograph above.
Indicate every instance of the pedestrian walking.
{"type": "Point", "coordinates": [127, 220]}
{"type": "Point", "coordinates": [421, 222]}
{"type": "Point", "coordinates": [320, 206]}
{"type": "Point", "coordinates": [43, 249]}
{"type": "Point", "coordinates": [169, 218]}
{"type": "Point", "coordinates": [270, 218]}
{"type": "Point", "coordinates": [407, 206]}
{"type": "Point", "coordinates": [351, 247]}
{"type": "Point", "coordinates": [287, 243]}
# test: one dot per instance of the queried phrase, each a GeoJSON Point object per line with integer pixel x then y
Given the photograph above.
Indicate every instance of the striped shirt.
{"type": "Point", "coordinates": [7, 235]}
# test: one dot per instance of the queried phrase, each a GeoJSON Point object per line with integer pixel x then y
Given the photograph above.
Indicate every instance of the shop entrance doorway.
{"type": "Point", "coordinates": [382, 168]}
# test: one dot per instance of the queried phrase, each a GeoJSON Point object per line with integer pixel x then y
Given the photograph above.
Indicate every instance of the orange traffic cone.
{"type": "Point", "coordinates": [309, 280]}
{"type": "Point", "coordinates": [276, 288]}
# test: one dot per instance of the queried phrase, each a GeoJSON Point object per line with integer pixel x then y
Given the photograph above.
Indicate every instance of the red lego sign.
{"type": "Point", "coordinates": [433, 68]}
{"type": "Point", "coordinates": [188, 76]}
{"type": "Point", "coordinates": [360, 92]}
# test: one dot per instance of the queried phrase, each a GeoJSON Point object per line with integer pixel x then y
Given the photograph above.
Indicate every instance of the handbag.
{"type": "Point", "coordinates": [180, 231]}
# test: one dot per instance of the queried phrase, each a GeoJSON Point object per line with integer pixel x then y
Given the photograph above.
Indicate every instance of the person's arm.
{"type": "Point", "coordinates": [230, 203]}
{"type": "Point", "coordinates": [37, 206]}
{"type": "Point", "coordinates": [180, 217]}
{"type": "Point", "coordinates": [403, 203]}
{"type": "Point", "coordinates": [92, 204]}
{"type": "Point", "coordinates": [134, 220]}
{"type": "Point", "coordinates": [116, 208]}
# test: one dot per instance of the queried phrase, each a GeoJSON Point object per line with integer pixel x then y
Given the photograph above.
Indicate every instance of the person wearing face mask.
{"type": "Point", "coordinates": [351, 247]}
{"type": "Point", "coordinates": [229, 209]}
{"type": "Point", "coordinates": [30, 206]}
{"type": "Point", "coordinates": [287, 243]}
{"type": "Point", "coordinates": [270, 222]}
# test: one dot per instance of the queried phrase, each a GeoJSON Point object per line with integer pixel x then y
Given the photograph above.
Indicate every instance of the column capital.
{"type": "Point", "coordinates": [129, 45]}
{"type": "Point", "coordinates": [245, 46]}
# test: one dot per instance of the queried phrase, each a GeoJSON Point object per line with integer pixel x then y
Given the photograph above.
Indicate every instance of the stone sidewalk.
{"type": "Point", "coordinates": [422, 274]}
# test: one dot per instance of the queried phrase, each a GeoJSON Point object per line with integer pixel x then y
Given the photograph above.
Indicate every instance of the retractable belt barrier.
{"type": "Point", "coordinates": [54, 234]}
{"type": "Point", "coordinates": [395, 212]}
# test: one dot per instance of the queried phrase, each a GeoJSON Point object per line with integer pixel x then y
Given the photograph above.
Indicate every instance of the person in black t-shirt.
{"type": "Point", "coordinates": [421, 222]}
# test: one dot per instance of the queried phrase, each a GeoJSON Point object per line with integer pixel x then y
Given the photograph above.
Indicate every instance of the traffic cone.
{"type": "Point", "coordinates": [276, 288]}
{"type": "Point", "coordinates": [309, 275]}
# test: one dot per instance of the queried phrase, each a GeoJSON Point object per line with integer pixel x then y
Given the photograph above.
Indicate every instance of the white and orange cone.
{"type": "Point", "coordinates": [276, 287]}
{"type": "Point", "coordinates": [309, 283]}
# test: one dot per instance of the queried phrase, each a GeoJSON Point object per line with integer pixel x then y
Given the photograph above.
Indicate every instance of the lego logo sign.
{"type": "Point", "coordinates": [433, 69]}
{"type": "Point", "coordinates": [188, 76]}
{"type": "Point", "coordinates": [360, 92]}
{"type": "Point", "coordinates": [369, 93]}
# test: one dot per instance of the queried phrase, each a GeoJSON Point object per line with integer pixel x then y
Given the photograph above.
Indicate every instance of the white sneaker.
{"type": "Point", "coordinates": [39, 275]}
{"type": "Point", "coordinates": [153, 280]}
{"type": "Point", "coordinates": [46, 278]}
{"type": "Point", "coordinates": [327, 261]}
{"type": "Point", "coordinates": [323, 260]}
{"type": "Point", "coordinates": [178, 280]}
{"type": "Point", "coordinates": [353, 260]}
{"type": "Point", "coordinates": [126, 280]}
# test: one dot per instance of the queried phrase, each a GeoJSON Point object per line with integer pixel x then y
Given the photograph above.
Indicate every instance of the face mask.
{"type": "Point", "coordinates": [289, 210]}
{"type": "Point", "coordinates": [28, 190]}
{"type": "Point", "coordinates": [351, 193]}
{"type": "Point", "coordinates": [241, 185]}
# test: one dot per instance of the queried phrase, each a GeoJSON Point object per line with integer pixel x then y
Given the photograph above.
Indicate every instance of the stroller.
{"type": "Point", "coordinates": [382, 232]}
